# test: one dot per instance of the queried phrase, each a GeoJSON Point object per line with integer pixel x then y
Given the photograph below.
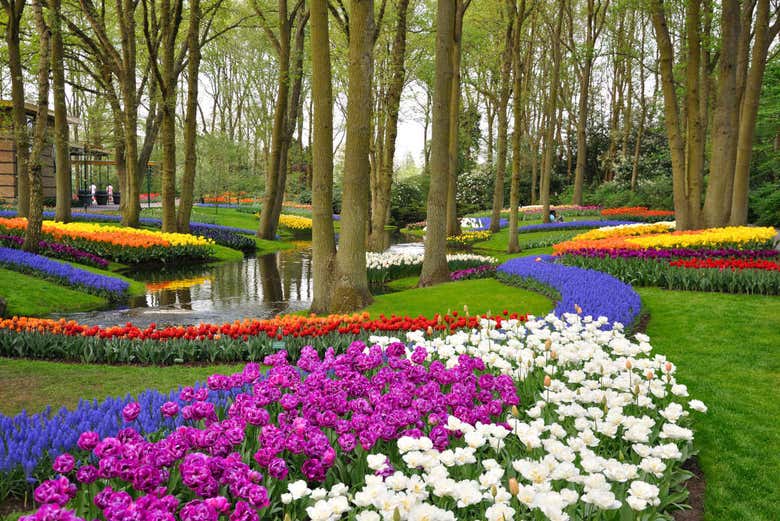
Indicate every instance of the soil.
{"type": "Point", "coordinates": [696, 488]}
{"type": "Point", "coordinates": [12, 505]}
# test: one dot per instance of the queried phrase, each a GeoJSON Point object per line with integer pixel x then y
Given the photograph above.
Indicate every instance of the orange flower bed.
{"type": "Point", "coordinates": [595, 244]}
{"type": "Point", "coordinates": [638, 211]}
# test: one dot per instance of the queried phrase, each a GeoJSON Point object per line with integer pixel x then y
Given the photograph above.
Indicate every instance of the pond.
{"type": "Point", "coordinates": [256, 287]}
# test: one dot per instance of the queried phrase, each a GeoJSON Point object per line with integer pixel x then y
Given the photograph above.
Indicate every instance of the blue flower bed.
{"type": "Point", "coordinates": [28, 442]}
{"type": "Point", "coordinates": [570, 225]}
{"type": "Point", "coordinates": [596, 293]}
{"type": "Point", "coordinates": [25, 262]}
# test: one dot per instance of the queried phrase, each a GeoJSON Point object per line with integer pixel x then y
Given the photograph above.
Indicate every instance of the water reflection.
{"type": "Point", "coordinates": [256, 287]}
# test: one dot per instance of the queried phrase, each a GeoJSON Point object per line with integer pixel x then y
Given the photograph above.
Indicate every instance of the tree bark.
{"type": "Point", "coordinates": [552, 102]}
{"type": "Point", "coordinates": [61, 134]}
{"type": "Point", "coordinates": [380, 207]}
{"type": "Point", "coordinates": [268, 224]}
{"type": "Point", "coordinates": [350, 286]}
{"type": "Point", "coordinates": [190, 120]}
{"type": "Point", "coordinates": [323, 242]}
{"type": "Point", "coordinates": [725, 124]}
{"type": "Point", "coordinates": [14, 10]}
{"type": "Point", "coordinates": [501, 108]}
{"type": "Point", "coordinates": [453, 224]}
{"type": "Point", "coordinates": [32, 234]}
{"type": "Point", "coordinates": [685, 216]}
{"type": "Point", "coordinates": [434, 268]}
{"type": "Point", "coordinates": [748, 113]}
{"type": "Point", "coordinates": [517, 108]}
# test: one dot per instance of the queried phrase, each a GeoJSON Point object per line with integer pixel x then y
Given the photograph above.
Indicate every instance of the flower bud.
{"type": "Point", "coordinates": [547, 344]}
{"type": "Point", "coordinates": [628, 364]}
{"type": "Point", "coordinates": [668, 367]}
{"type": "Point", "coordinates": [554, 354]}
{"type": "Point", "coordinates": [429, 331]}
{"type": "Point", "coordinates": [515, 411]}
{"type": "Point", "coordinates": [578, 309]}
{"type": "Point", "coordinates": [514, 487]}
{"type": "Point", "coordinates": [650, 375]}
{"type": "Point", "coordinates": [547, 380]}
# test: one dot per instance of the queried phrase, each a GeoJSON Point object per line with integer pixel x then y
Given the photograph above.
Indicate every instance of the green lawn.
{"type": "Point", "coordinates": [27, 295]}
{"type": "Point", "coordinates": [37, 384]}
{"type": "Point", "coordinates": [727, 348]}
{"type": "Point", "coordinates": [481, 296]}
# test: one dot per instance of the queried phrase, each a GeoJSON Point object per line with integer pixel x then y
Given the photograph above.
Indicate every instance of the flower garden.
{"type": "Point", "coordinates": [569, 415]}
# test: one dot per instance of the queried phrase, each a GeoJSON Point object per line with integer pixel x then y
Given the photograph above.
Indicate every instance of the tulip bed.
{"type": "Point", "coordinates": [112, 288]}
{"type": "Point", "coordinates": [638, 213]}
{"type": "Point", "coordinates": [384, 267]}
{"type": "Point", "coordinates": [125, 245]}
{"type": "Point", "coordinates": [297, 225]}
{"type": "Point", "coordinates": [465, 240]}
{"type": "Point", "coordinates": [47, 339]}
{"type": "Point", "coordinates": [58, 251]}
{"type": "Point", "coordinates": [732, 260]}
{"type": "Point", "coordinates": [227, 236]}
{"type": "Point", "coordinates": [480, 272]}
{"type": "Point", "coordinates": [569, 225]}
{"type": "Point", "coordinates": [558, 418]}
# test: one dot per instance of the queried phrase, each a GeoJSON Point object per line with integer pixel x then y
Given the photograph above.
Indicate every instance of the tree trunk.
{"type": "Point", "coordinates": [380, 209]}
{"type": "Point", "coordinates": [725, 124]}
{"type": "Point", "coordinates": [501, 108]}
{"type": "Point", "coordinates": [552, 102]}
{"type": "Point", "coordinates": [350, 286]}
{"type": "Point", "coordinates": [132, 209]}
{"type": "Point", "coordinates": [517, 108]}
{"type": "Point", "coordinates": [190, 120]}
{"type": "Point", "coordinates": [61, 134]}
{"type": "Point", "coordinates": [748, 114]}
{"type": "Point", "coordinates": [14, 10]}
{"type": "Point", "coordinates": [453, 224]}
{"type": "Point", "coordinates": [323, 243]}
{"type": "Point", "coordinates": [685, 218]}
{"type": "Point", "coordinates": [434, 268]}
{"type": "Point", "coordinates": [32, 234]}
{"type": "Point", "coordinates": [268, 224]}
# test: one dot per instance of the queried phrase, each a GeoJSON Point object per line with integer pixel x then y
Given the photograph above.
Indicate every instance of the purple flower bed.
{"type": "Point", "coordinates": [627, 253]}
{"type": "Point", "coordinates": [570, 225]}
{"type": "Point", "coordinates": [479, 272]}
{"type": "Point", "coordinates": [58, 251]}
{"type": "Point", "coordinates": [29, 441]}
{"type": "Point", "coordinates": [596, 293]}
{"type": "Point", "coordinates": [110, 287]}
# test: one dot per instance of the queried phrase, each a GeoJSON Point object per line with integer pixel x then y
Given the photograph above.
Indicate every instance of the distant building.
{"type": "Point", "coordinates": [8, 150]}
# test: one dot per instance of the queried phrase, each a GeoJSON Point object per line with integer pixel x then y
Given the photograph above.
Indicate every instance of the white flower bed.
{"type": "Point", "coordinates": [387, 260]}
{"type": "Point", "coordinates": [601, 433]}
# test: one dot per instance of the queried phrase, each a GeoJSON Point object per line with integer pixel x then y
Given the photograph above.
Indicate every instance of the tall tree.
{"type": "Point", "coordinates": [552, 105]}
{"type": "Point", "coordinates": [14, 10]}
{"type": "Point", "coordinates": [595, 16]}
{"type": "Point", "coordinates": [350, 285]}
{"type": "Point", "coordinates": [382, 173]}
{"type": "Point", "coordinates": [190, 119]}
{"type": "Point", "coordinates": [502, 102]}
{"type": "Point", "coordinates": [453, 223]}
{"type": "Point", "coordinates": [160, 32]}
{"type": "Point", "coordinates": [32, 234]}
{"type": "Point", "coordinates": [61, 133]}
{"type": "Point", "coordinates": [434, 268]}
{"type": "Point", "coordinates": [281, 41]}
{"type": "Point", "coordinates": [323, 240]}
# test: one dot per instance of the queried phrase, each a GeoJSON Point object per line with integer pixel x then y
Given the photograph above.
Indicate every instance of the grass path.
{"type": "Point", "coordinates": [727, 348]}
{"type": "Point", "coordinates": [28, 295]}
{"type": "Point", "coordinates": [36, 384]}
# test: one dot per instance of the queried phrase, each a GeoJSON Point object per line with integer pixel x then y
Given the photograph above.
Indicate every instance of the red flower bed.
{"type": "Point", "coordinates": [280, 327]}
{"type": "Point", "coordinates": [732, 264]}
{"type": "Point", "coordinates": [637, 211]}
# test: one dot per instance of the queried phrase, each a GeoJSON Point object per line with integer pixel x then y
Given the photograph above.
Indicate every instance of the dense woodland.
{"type": "Point", "coordinates": [668, 104]}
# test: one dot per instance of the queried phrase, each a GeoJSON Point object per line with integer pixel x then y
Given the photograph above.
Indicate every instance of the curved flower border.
{"type": "Point", "coordinates": [583, 291]}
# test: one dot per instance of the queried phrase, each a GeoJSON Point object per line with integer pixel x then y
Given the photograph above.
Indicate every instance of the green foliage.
{"type": "Point", "coordinates": [475, 189]}
{"type": "Point", "coordinates": [408, 200]}
{"type": "Point", "coordinates": [765, 204]}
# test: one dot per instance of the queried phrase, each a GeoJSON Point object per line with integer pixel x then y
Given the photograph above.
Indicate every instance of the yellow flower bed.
{"type": "Point", "coordinates": [736, 236]}
{"type": "Point", "coordinates": [295, 222]}
{"type": "Point", "coordinates": [627, 230]}
{"type": "Point", "coordinates": [122, 236]}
